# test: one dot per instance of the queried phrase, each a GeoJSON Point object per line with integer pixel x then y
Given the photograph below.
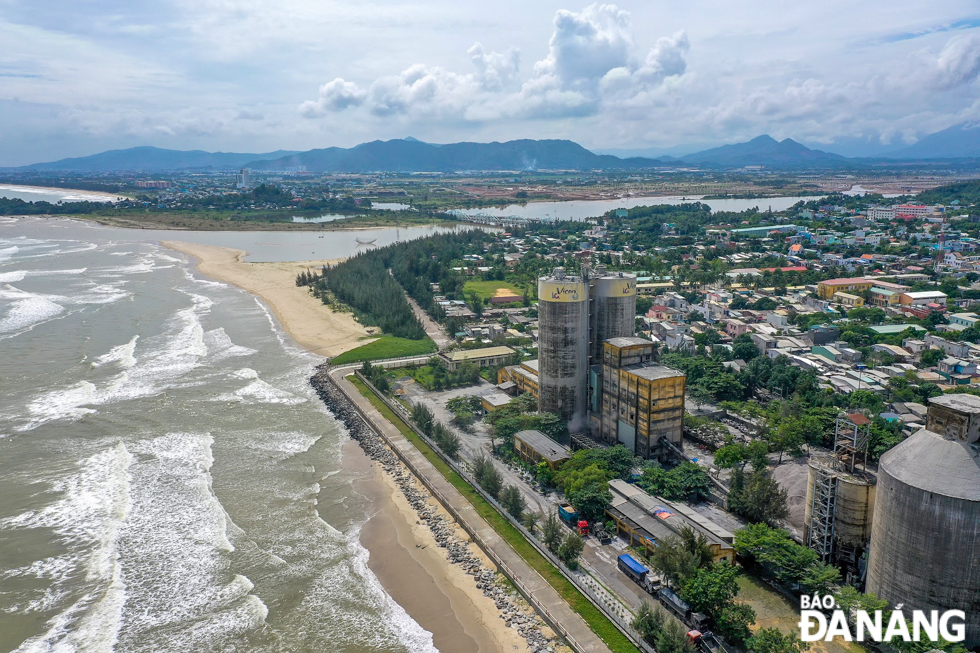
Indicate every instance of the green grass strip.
{"type": "Point", "coordinates": [386, 347]}
{"type": "Point", "coordinates": [597, 621]}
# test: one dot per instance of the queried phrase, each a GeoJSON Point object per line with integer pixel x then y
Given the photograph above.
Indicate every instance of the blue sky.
{"type": "Point", "coordinates": [82, 76]}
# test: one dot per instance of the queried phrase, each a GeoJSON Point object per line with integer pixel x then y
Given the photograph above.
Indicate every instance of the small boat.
{"type": "Point", "coordinates": [365, 242]}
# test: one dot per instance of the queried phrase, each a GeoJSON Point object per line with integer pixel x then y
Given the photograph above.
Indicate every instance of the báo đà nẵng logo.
{"type": "Point", "coordinates": [878, 626]}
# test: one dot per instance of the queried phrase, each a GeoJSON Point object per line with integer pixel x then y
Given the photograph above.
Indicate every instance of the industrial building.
{"type": "Point", "coordinates": [563, 346]}
{"type": "Point", "coordinates": [637, 403]}
{"type": "Point", "coordinates": [482, 357]}
{"type": "Point", "coordinates": [645, 520]}
{"type": "Point", "coordinates": [534, 446]}
{"type": "Point", "coordinates": [591, 369]}
{"type": "Point", "coordinates": [925, 535]}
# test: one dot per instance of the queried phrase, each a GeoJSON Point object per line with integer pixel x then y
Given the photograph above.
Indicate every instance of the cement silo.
{"type": "Point", "coordinates": [925, 538]}
{"type": "Point", "coordinates": [613, 311]}
{"type": "Point", "coordinates": [839, 511]}
{"type": "Point", "coordinates": [563, 347]}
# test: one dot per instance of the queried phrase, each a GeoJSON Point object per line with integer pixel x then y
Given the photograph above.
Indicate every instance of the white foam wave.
{"type": "Point", "coordinates": [101, 294]}
{"type": "Point", "coordinates": [182, 351]}
{"type": "Point", "coordinates": [220, 346]}
{"type": "Point", "coordinates": [12, 277]}
{"type": "Point", "coordinates": [8, 252]}
{"type": "Point", "coordinates": [177, 536]}
{"type": "Point", "coordinates": [415, 638]}
{"type": "Point", "coordinates": [259, 392]}
{"type": "Point", "coordinates": [122, 355]}
{"type": "Point", "coordinates": [66, 403]}
{"type": "Point", "coordinates": [88, 519]}
{"type": "Point", "coordinates": [26, 310]}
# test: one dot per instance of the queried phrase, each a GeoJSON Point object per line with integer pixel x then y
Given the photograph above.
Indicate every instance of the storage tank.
{"type": "Point", "coordinates": [853, 510]}
{"type": "Point", "coordinates": [613, 299]}
{"type": "Point", "coordinates": [925, 539]}
{"type": "Point", "coordinates": [563, 347]}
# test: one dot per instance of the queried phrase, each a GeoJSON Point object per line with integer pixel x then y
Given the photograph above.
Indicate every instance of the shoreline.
{"type": "Point", "coordinates": [411, 566]}
{"type": "Point", "coordinates": [472, 607]}
{"type": "Point", "coordinates": [25, 188]}
{"type": "Point", "coordinates": [412, 550]}
{"type": "Point", "coordinates": [313, 326]}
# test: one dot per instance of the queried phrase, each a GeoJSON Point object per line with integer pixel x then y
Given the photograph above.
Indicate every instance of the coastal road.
{"type": "Point", "coordinates": [586, 640]}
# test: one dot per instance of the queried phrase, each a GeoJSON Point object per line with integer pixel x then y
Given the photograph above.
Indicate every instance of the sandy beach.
{"type": "Point", "coordinates": [413, 569]}
{"type": "Point", "coordinates": [311, 324]}
{"type": "Point", "coordinates": [404, 554]}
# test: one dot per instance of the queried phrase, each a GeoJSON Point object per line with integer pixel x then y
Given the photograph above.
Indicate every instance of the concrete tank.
{"type": "Point", "coordinates": [925, 537]}
{"type": "Point", "coordinates": [613, 299]}
{"type": "Point", "coordinates": [563, 347]}
{"type": "Point", "coordinates": [853, 510]}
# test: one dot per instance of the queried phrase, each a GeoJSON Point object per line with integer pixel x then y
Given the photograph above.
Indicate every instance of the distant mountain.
{"type": "Point", "coordinates": [410, 155]}
{"type": "Point", "coordinates": [153, 159]}
{"type": "Point", "coordinates": [765, 151]}
{"type": "Point", "coordinates": [662, 153]}
{"type": "Point", "coordinates": [958, 141]}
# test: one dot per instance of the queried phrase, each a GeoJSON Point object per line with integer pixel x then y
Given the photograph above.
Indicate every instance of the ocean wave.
{"type": "Point", "coordinates": [26, 310]}
{"type": "Point", "coordinates": [259, 392]}
{"type": "Point", "coordinates": [220, 346]}
{"type": "Point", "coordinates": [123, 355]}
{"type": "Point", "coordinates": [12, 277]}
{"type": "Point", "coordinates": [155, 369]}
{"type": "Point", "coordinates": [88, 520]}
{"type": "Point", "coordinates": [413, 636]}
{"type": "Point", "coordinates": [178, 536]}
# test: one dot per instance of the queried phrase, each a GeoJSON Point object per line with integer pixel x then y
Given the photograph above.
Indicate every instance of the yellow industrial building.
{"type": "Point", "coordinates": [638, 404]}
{"type": "Point", "coordinates": [523, 376]}
{"type": "Point", "coordinates": [857, 285]}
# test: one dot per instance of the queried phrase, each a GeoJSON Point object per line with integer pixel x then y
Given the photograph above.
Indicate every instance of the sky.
{"type": "Point", "coordinates": [82, 76]}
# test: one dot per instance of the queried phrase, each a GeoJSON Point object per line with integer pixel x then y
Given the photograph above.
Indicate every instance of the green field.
{"type": "Point", "coordinates": [487, 289]}
{"type": "Point", "coordinates": [597, 621]}
{"type": "Point", "coordinates": [386, 347]}
{"type": "Point", "coordinates": [773, 610]}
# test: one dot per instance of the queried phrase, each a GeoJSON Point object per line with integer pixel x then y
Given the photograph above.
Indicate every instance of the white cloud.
{"type": "Point", "coordinates": [959, 62]}
{"type": "Point", "coordinates": [336, 95]}
{"type": "Point", "coordinates": [220, 74]}
{"type": "Point", "coordinates": [591, 54]}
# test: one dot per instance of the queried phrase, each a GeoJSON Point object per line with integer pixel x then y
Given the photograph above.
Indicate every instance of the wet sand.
{"type": "Point", "coordinates": [414, 570]}
{"type": "Point", "coordinates": [311, 324]}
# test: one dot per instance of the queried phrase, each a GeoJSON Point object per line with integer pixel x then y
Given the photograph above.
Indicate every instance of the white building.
{"type": "Point", "coordinates": [881, 212]}
{"type": "Point", "coordinates": [243, 178]}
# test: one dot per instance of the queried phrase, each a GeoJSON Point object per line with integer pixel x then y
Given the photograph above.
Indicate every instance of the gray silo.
{"type": "Point", "coordinates": [925, 535]}
{"type": "Point", "coordinates": [613, 299]}
{"type": "Point", "coordinates": [563, 347]}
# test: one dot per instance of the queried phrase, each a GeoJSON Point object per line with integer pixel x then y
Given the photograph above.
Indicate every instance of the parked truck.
{"type": "Point", "coordinates": [567, 513]}
{"type": "Point", "coordinates": [632, 568]}
{"type": "Point", "coordinates": [681, 608]}
{"type": "Point", "coordinates": [570, 516]}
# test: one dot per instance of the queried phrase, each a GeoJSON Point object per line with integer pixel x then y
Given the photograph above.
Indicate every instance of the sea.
{"type": "Point", "coordinates": [168, 479]}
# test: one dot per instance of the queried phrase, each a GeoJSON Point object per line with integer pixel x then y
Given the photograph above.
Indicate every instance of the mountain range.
{"type": "Point", "coordinates": [153, 159]}
{"type": "Point", "coordinates": [411, 155]}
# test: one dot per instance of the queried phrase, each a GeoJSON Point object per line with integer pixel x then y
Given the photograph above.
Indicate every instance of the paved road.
{"type": "Point", "coordinates": [586, 640]}
{"type": "Point", "coordinates": [432, 329]}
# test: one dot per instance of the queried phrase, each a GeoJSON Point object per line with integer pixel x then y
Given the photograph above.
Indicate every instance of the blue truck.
{"type": "Point", "coordinates": [569, 515]}
{"type": "Point", "coordinates": [632, 568]}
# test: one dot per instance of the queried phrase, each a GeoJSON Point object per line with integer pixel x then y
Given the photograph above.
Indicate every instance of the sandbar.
{"type": "Point", "coordinates": [313, 326]}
